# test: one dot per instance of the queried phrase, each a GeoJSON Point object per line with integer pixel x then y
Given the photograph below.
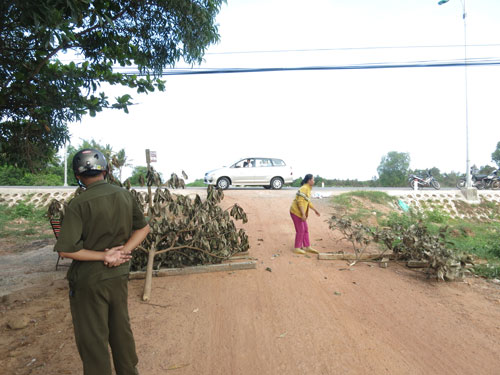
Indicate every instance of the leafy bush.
{"type": "Point", "coordinates": [436, 216]}
{"type": "Point", "coordinates": [403, 220]}
{"type": "Point", "coordinates": [11, 176]}
{"type": "Point", "coordinates": [26, 211]}
{"type": "Point", "coordinates": [23, 210]}
{"type": "Point", "coordinates": [42, 180]}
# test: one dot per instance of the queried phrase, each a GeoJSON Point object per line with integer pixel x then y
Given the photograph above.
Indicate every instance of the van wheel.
{"type": "Point", "coordinates": [276, 183]}
{"type": "Point", "coordinates": [223, 183]}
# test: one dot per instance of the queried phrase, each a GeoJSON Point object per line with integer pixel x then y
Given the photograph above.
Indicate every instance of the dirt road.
{"type": "Point", "coordinates": [305, 316]}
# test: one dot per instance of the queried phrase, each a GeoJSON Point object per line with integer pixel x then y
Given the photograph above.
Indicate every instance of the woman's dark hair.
{"type": "Point", "coordinates": [306, 179]}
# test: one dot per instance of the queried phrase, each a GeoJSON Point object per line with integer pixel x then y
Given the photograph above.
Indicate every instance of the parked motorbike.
{"type": "Point", "coordinates": [483, 181]}
{"type": "Point", "coordinates": [422, 182]}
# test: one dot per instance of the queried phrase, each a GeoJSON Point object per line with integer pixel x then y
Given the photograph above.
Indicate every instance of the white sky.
{"type": "Point", "coordinates": [337, 124]}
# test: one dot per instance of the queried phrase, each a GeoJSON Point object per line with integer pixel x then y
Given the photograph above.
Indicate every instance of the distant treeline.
{"type": "Point", "coordinates": [53, 176]}
{"type": "Point", "coordinates": [338, 183]}
{"type": "Point", "coordinates": [449, 179]}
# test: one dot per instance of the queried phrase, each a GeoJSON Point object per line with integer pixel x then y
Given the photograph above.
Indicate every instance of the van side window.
{"type": "Point", "coordinates": [264, 163]}
{"type": "Point", "coordinates": [238, 164]}
{"type": "Point", "coordinates": [278, 162]}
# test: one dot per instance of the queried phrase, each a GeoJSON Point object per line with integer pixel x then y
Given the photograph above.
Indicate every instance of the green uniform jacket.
{"type": "Point", "coordinates": [100, 218]}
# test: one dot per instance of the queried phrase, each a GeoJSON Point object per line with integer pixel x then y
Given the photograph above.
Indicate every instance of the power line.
{"type": "Point", "coordinates": [174, 72]}
{"type": "Point", "coordinates": [351, 49]}
{"type": "Point", "coordinates": [329, 49]}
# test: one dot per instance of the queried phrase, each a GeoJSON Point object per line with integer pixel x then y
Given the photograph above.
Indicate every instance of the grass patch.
{"type": "Point", "coordinates": [346, 199]}
{"type": "Point", "coordinates": [480, 239]}
{"type": "Point", "coordinates": [24, 223]}
{"type": "Point", "coordinates": [197, 183]}
{"type": "Point", "coordinates": [368, 207]}
{"type": "Point", "coordinates": [377, 197]}
{"type": "Point", "coordinates": [436, 216]}
{"type": "Point", "coordinates": [490, 271]}
{"type": "Point", "coordinates": [361, 214]}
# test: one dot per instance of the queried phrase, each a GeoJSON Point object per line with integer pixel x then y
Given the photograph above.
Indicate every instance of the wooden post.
{"type": "Point", "coordinates": [152, 251]}
{"type": "Point", "coordinates": [149, 274]}
{"type": "Point", "coordinates": [350, 256]}
{"type": "Point", "coordinates": [148, 162]}
{"type": "Point", "coordinates": [417, 264]}
{"type": "Point", "coordinates": [222, 267]}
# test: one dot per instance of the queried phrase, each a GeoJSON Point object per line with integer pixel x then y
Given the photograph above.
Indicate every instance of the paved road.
{"type": "Point", "coordinates": [70, 188]}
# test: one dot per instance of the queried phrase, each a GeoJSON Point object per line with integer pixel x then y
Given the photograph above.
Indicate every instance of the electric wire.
{"type": "Point", "coordinates": [350, 49]}
{"type": "Point", "coordinates": [370, 66]}
{"type": "Point", "coordinates": [477, 61]}
{"type": "Point", "coordinates": [333, 49]}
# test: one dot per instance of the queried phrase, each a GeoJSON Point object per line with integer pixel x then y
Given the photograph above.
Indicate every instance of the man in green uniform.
{"type": "Point", "coordinates": [100, 229]}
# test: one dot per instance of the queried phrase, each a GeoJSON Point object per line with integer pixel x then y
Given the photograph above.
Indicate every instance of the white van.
{"type": "Point", "coordinates": [267, 172]}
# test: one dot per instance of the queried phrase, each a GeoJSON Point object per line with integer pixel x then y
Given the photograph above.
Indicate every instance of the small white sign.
{"type": "Point", "coordinates": [152, 156]}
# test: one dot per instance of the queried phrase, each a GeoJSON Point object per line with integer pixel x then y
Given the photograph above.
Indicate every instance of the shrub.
{"type": "Point", "coordinates": [10, 176]}
{"type": "Point", "coordinates": [23, 210]}
{"type": "Point", "coordinates": [436, 216]}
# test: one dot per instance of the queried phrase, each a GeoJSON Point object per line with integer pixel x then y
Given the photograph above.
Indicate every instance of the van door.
{"type": "Point", "coordinates": [263, 171]}
{"type": "Point", "coordinates": [243, 171]}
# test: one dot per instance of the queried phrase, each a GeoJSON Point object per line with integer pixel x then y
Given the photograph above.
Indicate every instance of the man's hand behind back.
{"type": "Point", "coordinates": [114, 257]}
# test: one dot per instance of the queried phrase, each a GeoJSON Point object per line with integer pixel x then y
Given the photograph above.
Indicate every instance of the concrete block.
{"type": "Point", "coordinates": [470, 194]}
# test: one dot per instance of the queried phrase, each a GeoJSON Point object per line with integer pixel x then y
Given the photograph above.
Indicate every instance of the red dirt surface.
{"type": "Point", "coordinates": [306, 316]}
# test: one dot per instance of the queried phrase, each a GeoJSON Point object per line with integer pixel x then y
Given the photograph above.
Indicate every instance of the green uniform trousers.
{"type": "Point", "coordinates": [100, 316]}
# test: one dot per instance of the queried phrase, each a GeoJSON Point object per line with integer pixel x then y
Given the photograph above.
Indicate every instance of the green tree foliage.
{"type": "Point", "coordinates": [120, 160]}
{"type": "Point", "coordinates": [53, 173]}
{"type": "Point", "coordinates": [484, 169]}
{"type": "Point", "coordinates": [12, 176]}
{"type": "Point", "coordinates": [138, 171]}
{"type": "Point", "coordinates": [495, 156]}
{"type": "Point", "coordinates": [434, 171]}
{"type": "Point", "coordinates": [450, 179]}
{"type": "Point", "coordinates": [337, 182]}
{"type": "Point", "coordinates": [41, 90]}
{"type": "Point", "coordinates": [393, 169]}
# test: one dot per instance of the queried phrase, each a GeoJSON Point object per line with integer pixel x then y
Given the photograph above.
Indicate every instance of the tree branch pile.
{"type": "Point", "coordinates": [188, 232]}
{"type": "Point", "coordinates": [175, 182]}
{"type": "Point", "coordinates": [407, 242]}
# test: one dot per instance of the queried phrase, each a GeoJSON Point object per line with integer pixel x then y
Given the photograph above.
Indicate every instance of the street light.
{"type": "Point", "coordinates": [66, 163]}
{"type": "Point", "coordinates": [467, 164]}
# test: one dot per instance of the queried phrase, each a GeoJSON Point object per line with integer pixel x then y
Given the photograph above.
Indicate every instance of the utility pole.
{"type": "Point", "coordinates": [470, 193]}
